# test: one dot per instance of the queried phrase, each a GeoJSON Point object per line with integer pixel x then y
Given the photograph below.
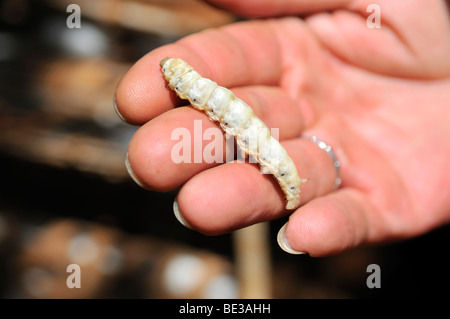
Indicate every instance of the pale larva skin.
{"type": "Point", "coordinates": [237, 119]}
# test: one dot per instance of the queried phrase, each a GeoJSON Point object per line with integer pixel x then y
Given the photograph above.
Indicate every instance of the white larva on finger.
{"type": "Point", "coordinates": [236, 118]}
{"type": "Point", "coordinates": [200, 92]}
{"type": "Point", "coordinates": [217, 103]}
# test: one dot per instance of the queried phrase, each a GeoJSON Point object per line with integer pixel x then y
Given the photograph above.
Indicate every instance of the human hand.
{"type": "Point", "coordinates": [379, 97]}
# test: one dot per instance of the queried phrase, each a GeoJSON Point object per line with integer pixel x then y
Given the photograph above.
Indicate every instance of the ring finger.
{"type": "Point", "coordinates": [236, 195]}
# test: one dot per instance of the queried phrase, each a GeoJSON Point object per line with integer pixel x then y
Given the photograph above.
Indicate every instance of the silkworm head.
{"type": "Point", "coordinates": [163, 61]}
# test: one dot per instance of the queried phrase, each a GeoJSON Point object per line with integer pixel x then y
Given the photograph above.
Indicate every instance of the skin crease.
{"type": "Point", "coordinates": [380, 97]}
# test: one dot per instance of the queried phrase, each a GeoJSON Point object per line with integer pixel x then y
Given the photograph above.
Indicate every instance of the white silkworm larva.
{"type": "Point", "coordinates": [237, 119]}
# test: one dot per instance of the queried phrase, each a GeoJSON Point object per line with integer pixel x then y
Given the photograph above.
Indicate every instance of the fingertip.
{"type": "Point", "coordinates": [131, 172]}
{"type": "Point", "coordinates": [148, 156]}
{"type": "Point", "coordinates": [201, 207]}
{"type": "Point", "coordinates": [141, 94]}
{"type": "Point", "coordinates": [321, 229]}
{"type": "Point", "coordinates": [284, 243]}
{"type": "Point", "coordinates": [179, 215]}
{"type": "Point", "coordinates": [117, 110]}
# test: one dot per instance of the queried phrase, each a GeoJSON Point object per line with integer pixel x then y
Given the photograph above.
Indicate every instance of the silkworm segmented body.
{"type": "Point", "coordinates": [236, 118]}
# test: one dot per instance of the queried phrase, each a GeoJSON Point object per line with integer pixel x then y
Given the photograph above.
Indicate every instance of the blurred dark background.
{"type": "Point", "coordinates": [65, 195]}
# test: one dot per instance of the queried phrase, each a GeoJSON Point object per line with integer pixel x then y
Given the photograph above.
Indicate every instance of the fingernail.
{"type": "Point", "coordinates": [178, 216]}
{"type": "Point", "coordinates": [131, 173]}
{"type": "Point", "coordinates": [117, 110]}
{"type": "Point", "coordinates": [284, 244]}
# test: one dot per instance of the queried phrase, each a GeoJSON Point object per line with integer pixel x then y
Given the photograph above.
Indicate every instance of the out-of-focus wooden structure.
{"type": "Point", "coordinates": [166, 17]}
{"type": "Point", "coordinates": [70, 92]}
{"type": "Point", "coordinates": [108, 258]}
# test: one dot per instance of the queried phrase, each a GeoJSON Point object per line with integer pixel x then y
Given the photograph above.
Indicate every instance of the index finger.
{"type": "Point", "coordinates": [244, 53]}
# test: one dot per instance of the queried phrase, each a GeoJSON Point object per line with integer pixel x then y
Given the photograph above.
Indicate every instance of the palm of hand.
{"type": "Point", "coordinates": [387, 127]}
